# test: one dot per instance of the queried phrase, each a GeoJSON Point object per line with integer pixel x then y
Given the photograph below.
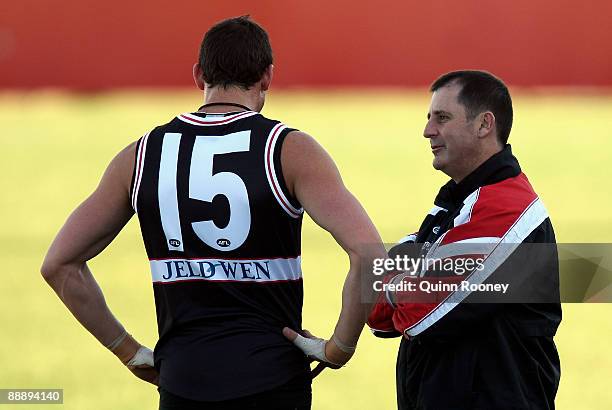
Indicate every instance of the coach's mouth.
{"type": "Point", "coordinates": [436, 148]}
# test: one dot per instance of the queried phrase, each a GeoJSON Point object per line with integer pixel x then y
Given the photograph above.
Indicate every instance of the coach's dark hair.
{"type": "Point", "coordinates": [235, 51]}
{"type": "Point", "coordinates": [482, 91]}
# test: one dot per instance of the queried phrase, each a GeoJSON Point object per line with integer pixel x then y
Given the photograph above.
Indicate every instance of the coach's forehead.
{"type": "Point", "coordinates": [446, 99]}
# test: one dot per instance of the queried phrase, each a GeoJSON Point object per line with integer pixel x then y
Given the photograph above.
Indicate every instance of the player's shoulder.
{"type": "Point", "coordinates": [125, 157]}
{"type": "Point", "coordinates": [129, 151]}
{"type": "Point", "coordinates": [300, 144]}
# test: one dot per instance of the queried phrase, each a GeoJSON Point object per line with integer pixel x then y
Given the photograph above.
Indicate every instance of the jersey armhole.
{"type": "Point", "coordinates": [141, 147]}
{"type": "Point", "coordinates": [279, 168]}
{"type": "Point", "coordinates": [274, 171]}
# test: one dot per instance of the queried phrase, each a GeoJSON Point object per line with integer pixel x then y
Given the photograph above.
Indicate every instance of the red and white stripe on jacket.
{"type": "Point", "coordinates": [505, 214]}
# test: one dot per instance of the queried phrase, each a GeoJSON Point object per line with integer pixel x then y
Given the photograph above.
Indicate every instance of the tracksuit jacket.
{"type": "Point", "coordinates": [461, 355]}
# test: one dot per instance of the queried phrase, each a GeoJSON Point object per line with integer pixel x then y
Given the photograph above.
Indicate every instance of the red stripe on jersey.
{"type": "Point", "coordinates": [259, 282]}
{"type": "Point", "coordinates": [224, 258]}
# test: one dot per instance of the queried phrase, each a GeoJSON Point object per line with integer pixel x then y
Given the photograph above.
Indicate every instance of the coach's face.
{"type": "Point", "coordinates": [453, 139]}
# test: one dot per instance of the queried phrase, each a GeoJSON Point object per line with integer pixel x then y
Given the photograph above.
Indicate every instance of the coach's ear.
{"type": "Point", "coordinates": [266, 78]}
{"type": "Point", "coordinates": [198, 76]}
{"type": "Point", "coordinates": [485, 123]}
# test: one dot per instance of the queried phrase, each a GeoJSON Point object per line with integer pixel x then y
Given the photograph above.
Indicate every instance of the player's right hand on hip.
{"type": "Point", "coordinates": [143, 367]}
{"type": "Point", "coordinates": [326, 352]}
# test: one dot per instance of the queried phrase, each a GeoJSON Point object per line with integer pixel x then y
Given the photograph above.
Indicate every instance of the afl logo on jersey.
{"type": "Point", "coordinates": [174, 242]}
{"type": "Point", "coordinates": [224, 243]}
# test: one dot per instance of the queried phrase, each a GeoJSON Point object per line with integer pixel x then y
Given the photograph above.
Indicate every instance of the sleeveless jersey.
{"type": "Point", "coordinates": [222, 234]}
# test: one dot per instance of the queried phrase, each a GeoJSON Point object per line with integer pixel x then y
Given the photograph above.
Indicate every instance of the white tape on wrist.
{"type": "Point", "coordinates": [313, 348]}
{"type": "Point", "coordinates": [144, 356]}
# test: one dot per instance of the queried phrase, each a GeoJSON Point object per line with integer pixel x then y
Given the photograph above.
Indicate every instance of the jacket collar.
{"type": "Point", "coordinates": [498, 167]}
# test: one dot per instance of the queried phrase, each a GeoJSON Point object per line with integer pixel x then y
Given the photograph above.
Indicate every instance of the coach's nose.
{"type": "Point", "coordinates": [430, 130]}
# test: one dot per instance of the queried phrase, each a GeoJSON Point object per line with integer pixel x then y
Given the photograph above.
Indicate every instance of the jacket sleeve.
{"type": "Point", "coordinates": [380, 320]}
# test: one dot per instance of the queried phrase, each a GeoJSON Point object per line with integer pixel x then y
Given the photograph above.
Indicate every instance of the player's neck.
{"type": "Point", "coordinates": [235, 95]}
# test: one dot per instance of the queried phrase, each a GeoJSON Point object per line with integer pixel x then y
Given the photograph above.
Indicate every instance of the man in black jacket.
{"type": "Point", "coordinates": [457, 353]}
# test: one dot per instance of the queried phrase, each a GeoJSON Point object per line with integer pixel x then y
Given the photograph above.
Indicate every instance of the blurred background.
{"type": "Point", "coordinates": [81, 80]}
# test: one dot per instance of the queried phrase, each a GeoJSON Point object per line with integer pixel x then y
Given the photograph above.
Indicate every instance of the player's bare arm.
{"type": "Point", "coordinates": [86, 233]}
{"type": "Point", "coordinates": [313, 178]}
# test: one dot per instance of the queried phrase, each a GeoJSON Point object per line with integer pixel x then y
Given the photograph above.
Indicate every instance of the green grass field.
{"type": "Point", "coordinates": [54, 147]}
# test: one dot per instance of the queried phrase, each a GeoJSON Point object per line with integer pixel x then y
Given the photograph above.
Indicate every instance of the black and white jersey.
{"type": "Point", "coordinates": [222, 234]}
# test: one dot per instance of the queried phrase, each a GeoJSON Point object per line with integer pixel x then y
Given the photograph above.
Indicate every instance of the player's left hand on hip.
{"type": "Point", "coordinates": [323, 351]}
{"type": "Point", "coordinates": [136, 357]}
{"type": "Point", "coordinates": [143, 367]}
